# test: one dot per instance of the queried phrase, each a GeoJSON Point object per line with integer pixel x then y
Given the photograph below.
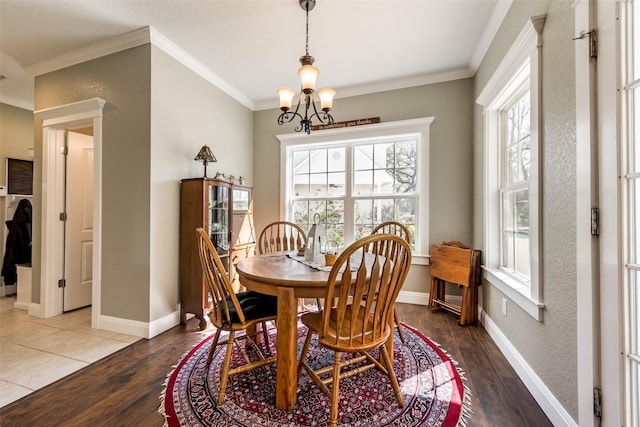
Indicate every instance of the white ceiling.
{"type": "Point", "coordinates": [360, 46]}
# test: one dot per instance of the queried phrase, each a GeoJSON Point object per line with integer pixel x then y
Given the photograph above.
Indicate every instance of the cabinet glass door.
{"type": "Point", "coordinates": [219, 218]}
{"type": "Point", "coordinates": [240, 200]}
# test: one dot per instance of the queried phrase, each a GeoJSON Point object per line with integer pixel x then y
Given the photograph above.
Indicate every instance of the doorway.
{"type": "Point", "coordinates": [55, 122]}
{"type": "Point", "coordinates": [78, 224]}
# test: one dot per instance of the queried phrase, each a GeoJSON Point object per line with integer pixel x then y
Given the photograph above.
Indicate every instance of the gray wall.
{"type": "Point", "coordinates": [549, 347]}
{"type": "Point", "coordinates": [451, 156]}
{"type": "Point", "coordinates": [157, 116]}
{"type": "Point", "coordinates": [187, 112]}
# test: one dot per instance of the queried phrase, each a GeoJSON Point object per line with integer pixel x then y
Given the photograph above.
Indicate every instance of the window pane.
{"type": "Point", "coordinates": [405, 180]}
{"type": "Point", "coordinates": [383, 181]}
{"type": "Point", "coordinates": [405, 211]}
{"type": "Point", "coordinates": [363, 183]}
{"type": "Point", "coordinates": [363, 212]}
{"type": "Point", "coordinates": [383, 155]}
{"type": "Point", "coordinates": [318, 161]}
{"type": "Point", "coordinates": [301, 162]}
{"type": "Point", "coordinates": [525, 159]}
{"type": "Point", "coordinates": [363, 157]}
{"type": "Point", "coordinates": [362, 231]}
{"type": "Point", "coordinates": [336, 159]}
{"type": "Point", "coordinates": [301, 185]}
{"type": "Point", "coordinates": [513, 165]}
{"type": "Point", "coordinates": [383, 210]}
{"type": "Point", "coordinates": [336, 184]}
{"type": "Point", "coordinates": [406, 154]}
{"type": "Point", "coordinates": [318, 184]}
{"type": "Point", "coordinates": [334, 224]}
{"type": "Point", "coordinates": [301, 214]}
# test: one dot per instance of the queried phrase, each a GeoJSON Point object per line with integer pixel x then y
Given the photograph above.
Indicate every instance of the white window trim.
{"type": "Point", "coordinates": [418, 128]}
{"type": "Point", "coordinates": [526, 47]}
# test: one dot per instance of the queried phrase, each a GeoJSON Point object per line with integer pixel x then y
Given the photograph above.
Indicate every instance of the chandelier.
{"type": "Point", "coordinates": [308, 74]}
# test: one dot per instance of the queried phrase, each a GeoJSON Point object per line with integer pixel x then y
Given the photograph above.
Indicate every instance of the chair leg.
{"type": "Point", "coordinates": [225, 368]}
{"type": "Point", "coordinates": [303, 355]}
{"type": "Point", "coordinates": [265, 335]}
{"type": "Point", "coordinates": [214, 344]}
{"type": "Point", "coordinates": [335, 389]}
{"type": "Point", "coordinates": [399, 326]}
{"type": "Point", "coordinates": [392, 375]}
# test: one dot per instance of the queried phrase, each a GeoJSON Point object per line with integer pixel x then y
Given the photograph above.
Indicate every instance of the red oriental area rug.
{"type": "Point", "coordinates": [431, 384]}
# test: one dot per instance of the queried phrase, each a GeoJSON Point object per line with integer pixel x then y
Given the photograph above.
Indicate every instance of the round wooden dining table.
{"type": "Point", "coordinates": [280, 275]}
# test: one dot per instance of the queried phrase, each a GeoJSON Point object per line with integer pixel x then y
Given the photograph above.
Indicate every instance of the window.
{"type": "Point", "coordinates": [513, 241]}
{"type": "Point", "coordinates": [356, 178]}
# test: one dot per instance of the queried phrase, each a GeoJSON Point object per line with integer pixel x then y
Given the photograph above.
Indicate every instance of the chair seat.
{"type": "Point", "coordinates": [345, 337]}
{"type": "Point", "coordinates": [254, 305]}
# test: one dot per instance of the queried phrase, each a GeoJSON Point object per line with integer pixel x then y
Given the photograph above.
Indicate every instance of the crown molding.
{"type": "Point", "coordinates": [106, 47]}
{"type": "Point", "coordinates": [413, 81]}
{"type": "Point", "coordinates": [132, 39]}
{"type": "Point", "coordinates": [169, 47]}
{"type": "Point", "coordinates": [499, 13]}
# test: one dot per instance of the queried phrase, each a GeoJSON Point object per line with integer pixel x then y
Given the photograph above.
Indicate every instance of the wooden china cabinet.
{"type": "Point", "coordinates": [225, 211]}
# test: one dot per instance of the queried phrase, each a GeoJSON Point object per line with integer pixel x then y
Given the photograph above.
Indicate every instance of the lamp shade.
{"type": "Point", "coordinates": [308, 75]}
{"type": "Point", "coordinates": [205, 155]}
{"type": "Point", "coordinates": [326, 98]}
{"type": "Point", "coordinates": [286, 97]}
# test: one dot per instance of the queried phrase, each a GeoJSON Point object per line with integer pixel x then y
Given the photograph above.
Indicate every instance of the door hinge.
{"type": "Point", "coordinates": [62, 283]}
{"type": "Point", "coordinates": [63, 216]}
{"type": "Point", "coordinates": [597, 402]}
{"type": "Point", "coordinates": [595, 222]}
{"type": "Point", "coordinates": [593, 42]}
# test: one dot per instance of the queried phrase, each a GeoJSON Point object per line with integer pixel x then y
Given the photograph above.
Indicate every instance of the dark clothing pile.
{"type": "Point", "coordinates": [18, 248]}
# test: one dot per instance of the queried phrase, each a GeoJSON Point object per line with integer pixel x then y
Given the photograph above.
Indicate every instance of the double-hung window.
{"type": "Point", "coordinates": [353, 179]}
{"type": "Point", "coordinates": [512, 143]}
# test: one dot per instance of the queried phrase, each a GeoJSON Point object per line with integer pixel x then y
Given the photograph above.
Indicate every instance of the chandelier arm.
{"type": "Point", "coordinates": [325, 118]}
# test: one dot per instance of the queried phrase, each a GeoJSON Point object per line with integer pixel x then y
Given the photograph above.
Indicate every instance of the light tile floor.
{"type": "Point", "coordinates": [35, 352]}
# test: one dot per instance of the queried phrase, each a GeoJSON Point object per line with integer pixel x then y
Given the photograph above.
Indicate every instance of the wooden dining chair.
{"type": "Point", "coordinates": [358, 318]}
{"type": "Point", "coordinates": [281, 236]}
{"type": "Point", "coordinates": [284, 236]}
{"type": "Point", "coordinates": [234, 313]}
{"type": "Point", "coordinates": [392, 227]}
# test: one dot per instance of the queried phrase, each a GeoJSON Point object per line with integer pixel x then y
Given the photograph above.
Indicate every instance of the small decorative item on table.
{"type": "Point", "coordinates": [330, 257]}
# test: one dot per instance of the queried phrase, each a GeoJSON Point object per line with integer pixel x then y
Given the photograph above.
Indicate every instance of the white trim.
{"type": "Point", "coordinates": [554, 410]}
{"type": "Point", "coordinates": [364, 89]}
{"type": "Point", "coordinates": [508, 77]}
{"type": "Point", "coordinates": [491, 29]}
{"type": "Point", "coordinates": [413, 297]}
{"type": "Point", "coordinates": [140, 329]}
{"type": "Point", "coordinates": [132, 39]}
{"type": "Point", "coordinates": [523, 47]}
{"type": "Point", "coordinates": [420, 127]}
{"type": "Point", "coordinates": [97, 50]}
{"type": "Point", "coordinates": [55, 120]}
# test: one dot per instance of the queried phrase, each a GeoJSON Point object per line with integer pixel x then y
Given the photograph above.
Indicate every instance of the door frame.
{"type": "Point", "coordinates": [55, 121]}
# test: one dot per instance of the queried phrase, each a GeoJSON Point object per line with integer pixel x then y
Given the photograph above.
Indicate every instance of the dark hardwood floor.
{"type": "Point", "coordinates": [123, 389]}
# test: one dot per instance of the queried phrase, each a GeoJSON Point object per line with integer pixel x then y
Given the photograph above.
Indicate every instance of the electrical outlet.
{"type": "Point", "coordinates": [504, 306]}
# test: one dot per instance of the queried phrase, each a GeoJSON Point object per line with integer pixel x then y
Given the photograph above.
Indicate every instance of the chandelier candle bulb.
{"type": "Point", "coordinates": [326, 98]}
{"type": "Point", "coordinates": [286, 98]}
{"type": "Point", "coordinates": [308, 75]}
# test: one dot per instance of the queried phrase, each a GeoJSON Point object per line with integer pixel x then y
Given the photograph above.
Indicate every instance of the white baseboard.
{"type": "Point", "coordinates": [21, 305]}
{"type": "Point", "coordinates": [412, 297]}
{"type": "Point", "coordinates": [137, 328]}
{"type": "Point", "coordinates": [558, 416]}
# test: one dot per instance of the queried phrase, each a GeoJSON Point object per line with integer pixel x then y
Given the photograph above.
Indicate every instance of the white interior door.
{"type": "Point", "coordinates": [79, 226]}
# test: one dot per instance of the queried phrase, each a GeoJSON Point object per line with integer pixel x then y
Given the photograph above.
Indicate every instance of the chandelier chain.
{"type": "Point", "coordinates": [307, 43]}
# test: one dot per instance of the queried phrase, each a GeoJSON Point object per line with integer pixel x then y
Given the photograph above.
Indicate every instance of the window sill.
{"type": "Point", "coordinates": [515, 291]}
{"type": "Point", "coordinates": [420, 259]}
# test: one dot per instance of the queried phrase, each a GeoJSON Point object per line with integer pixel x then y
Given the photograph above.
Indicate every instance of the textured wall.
{"type": "Point", "coordinates": [549, 347]}
{"type": "Point", "coordinates": [187, 112]}
{"type": "Point", "coordinates": [451, 156]}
